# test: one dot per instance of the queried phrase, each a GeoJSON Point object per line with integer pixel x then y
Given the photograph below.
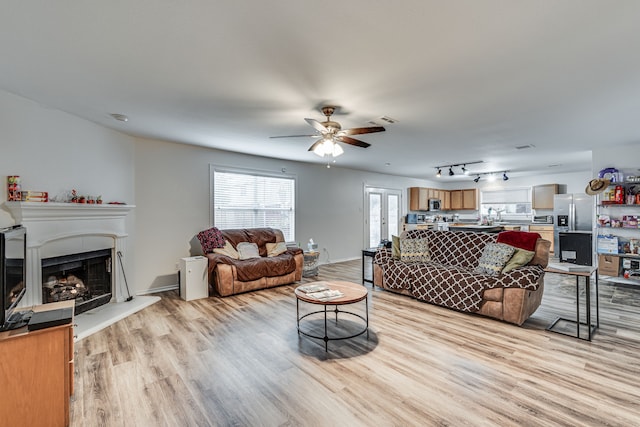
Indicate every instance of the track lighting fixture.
{"type": "Point", "coordinates": [463, 168]}
{"type": "Point", "coordinates": [491, 176]}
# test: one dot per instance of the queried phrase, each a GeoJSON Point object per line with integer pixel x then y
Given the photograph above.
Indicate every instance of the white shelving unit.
{"type": "Point", "coordinates": [620, 220]}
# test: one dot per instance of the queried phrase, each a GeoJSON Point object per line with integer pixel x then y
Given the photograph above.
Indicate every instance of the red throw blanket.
{"type": "Point", "coordinates": [519, 239]}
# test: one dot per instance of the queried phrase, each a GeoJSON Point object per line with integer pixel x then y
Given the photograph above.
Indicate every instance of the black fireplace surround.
{"type": "Point", "coordinates": [85, 277]}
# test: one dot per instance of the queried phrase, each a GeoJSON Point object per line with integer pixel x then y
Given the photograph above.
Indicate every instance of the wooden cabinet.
{"type": "Point", "coordinates": [418, 199]}
{"type": "Point", "coordinates": [446, 199]}
{"type": "Point", "coordinates": [464, 199]}
{"type": "Point", "coordinates": [542, 196]}
{"type": "Point", "coordinates": [36, 373]}
{"type": "Point", "coordinates": [546, 232]}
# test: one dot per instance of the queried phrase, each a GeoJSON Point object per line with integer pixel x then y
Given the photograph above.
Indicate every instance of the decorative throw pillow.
{"type": "Point", "coordinates": [520, 258]}
{"type": "Point", "coordinates": [493, 259]}
{"type": "Point", "coordinates": [211, 239]}
{"type": "Point", "coordinates": [414, 250]}
{"type": "Point", "coordinates": [395, 247]}
{"type": "Point", "coordinates": [247, 250]}
{"type": "Point", "coordinates": [228, 250]}
{"type": "Point", "coordinates": [519, 239]}
{"type": "Point", "coordinates": [275, 249]}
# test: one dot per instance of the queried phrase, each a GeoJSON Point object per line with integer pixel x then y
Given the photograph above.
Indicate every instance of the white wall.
{"type": "Point", "coordinates": [172, 198]}
{"type": "Point", "coordinates": [624, 158]}
{"type": "Point", "coordinates": [55, 152]}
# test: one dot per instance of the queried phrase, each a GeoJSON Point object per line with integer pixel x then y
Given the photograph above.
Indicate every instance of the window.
{"type": "Point", "coordinates": [513, 203]}
{"type": "Point", "coordinates": [252, 199]}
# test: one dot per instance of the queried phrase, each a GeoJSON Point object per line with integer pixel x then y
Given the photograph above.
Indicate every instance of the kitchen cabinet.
{"type": "Point", "coordinates": [446, 200]}
{"type": "Point", "coordinates": [542, 196]}
{"type": "Point", "coordinates": [545, 231]}
{"type": "Point", "coordinates": [418, 199]}
{"type": "Point", "coordinates": [464, 199]}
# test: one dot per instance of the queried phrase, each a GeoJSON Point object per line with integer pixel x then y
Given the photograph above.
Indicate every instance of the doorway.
{"type": "Point", "coordinates": [382, 214]}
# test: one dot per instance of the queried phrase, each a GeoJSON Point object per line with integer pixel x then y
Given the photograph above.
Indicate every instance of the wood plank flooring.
{"type": "Point", "coordinates": [238, 361]}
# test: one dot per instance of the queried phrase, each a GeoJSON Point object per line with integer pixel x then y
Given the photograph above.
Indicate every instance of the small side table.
{"type": "Point", "coordinates": [368, 252]}
{"type": "Point", "coordinates": [310, 267]}
{"type": "Point", "coordinates": [591, 328]}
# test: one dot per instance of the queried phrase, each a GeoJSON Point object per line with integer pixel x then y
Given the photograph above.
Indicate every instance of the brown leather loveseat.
{"type": "Point", "coordinates": [229, 275]}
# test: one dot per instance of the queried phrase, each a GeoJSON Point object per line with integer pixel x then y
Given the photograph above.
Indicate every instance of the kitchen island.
{"type": "Point", "coordinates": [477, 228]}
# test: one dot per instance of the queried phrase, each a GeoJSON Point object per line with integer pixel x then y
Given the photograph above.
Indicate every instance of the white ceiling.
{"type": "Point", "coordinates": [467, 80]}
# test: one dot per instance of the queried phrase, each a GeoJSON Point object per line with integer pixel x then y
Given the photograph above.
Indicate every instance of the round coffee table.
{"type": "Point", "coordinates": [352, 293]}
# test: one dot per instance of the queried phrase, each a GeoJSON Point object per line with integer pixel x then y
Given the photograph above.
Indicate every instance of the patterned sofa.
{"type": "Point", "coordinates": [450, 277]}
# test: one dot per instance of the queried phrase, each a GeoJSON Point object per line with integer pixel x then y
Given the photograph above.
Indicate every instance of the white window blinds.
{"type": "Point", "coordinates": [248, 200]}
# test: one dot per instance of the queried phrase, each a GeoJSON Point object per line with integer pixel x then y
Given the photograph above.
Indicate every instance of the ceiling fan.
{"type": "Point", "coordinates": [331, 132]}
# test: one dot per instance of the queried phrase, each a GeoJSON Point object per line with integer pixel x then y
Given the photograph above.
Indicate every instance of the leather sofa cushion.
{"type": "Point", "coordinates": [255, 268]}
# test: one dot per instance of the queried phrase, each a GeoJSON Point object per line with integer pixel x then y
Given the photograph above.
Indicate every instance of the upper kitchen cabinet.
{"type": "Point", "coordinates": [542, 196]}
{"type": "Point", "coordinates": [446, 200]}
{"type": "Point", "coordinates": [464, 199]}
{"type": "Point", "coordinates": [418, 199]}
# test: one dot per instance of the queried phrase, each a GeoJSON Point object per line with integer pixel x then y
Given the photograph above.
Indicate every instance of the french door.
{"type": "Point", "coordinates": [382, 214]}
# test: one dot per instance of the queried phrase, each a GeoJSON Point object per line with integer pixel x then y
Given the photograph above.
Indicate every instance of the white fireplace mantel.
{"type": "Point", "coordinates": [55, 229]}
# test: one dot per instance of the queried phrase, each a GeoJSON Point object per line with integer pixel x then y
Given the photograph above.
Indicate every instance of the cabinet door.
{"type": "Point", "coordinates": [414, 198]}
{"type": "Point", "coordinates": [546, 232]}
{"type": "Point", "coordinates": [469, 199]}
{"type": "Point", "coordinates": [418, 199]}
{"type": "Point", "coordinates": [446, 199]}
{"type": "Point", "coordinates": [542, 196]}
{"type": "Point", "coordinates": [456, 199]}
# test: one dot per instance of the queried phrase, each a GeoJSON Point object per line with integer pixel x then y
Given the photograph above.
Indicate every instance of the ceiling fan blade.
{"type": "Point", "coordinates": [360, 131]}
{"type": "Point", "coordinates": [353, 141]}
{"type": "Point", "coordinates": [317, 125]}
{"type": "Point", "coordinates": [315, 144]}
{"type": "Point", "coordinates": [293, 136]}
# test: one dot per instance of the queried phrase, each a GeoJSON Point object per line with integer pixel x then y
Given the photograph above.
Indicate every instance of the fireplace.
{"type": "Point", "coordinates": [84, 277]}
{"type": "Point", "coordinates": [63, 234]}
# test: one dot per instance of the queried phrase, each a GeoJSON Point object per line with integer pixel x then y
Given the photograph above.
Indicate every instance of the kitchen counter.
{"type": "Point", "coordinates": [476, 227]}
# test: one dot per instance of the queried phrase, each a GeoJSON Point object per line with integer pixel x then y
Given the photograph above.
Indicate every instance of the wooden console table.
{"type": "Point", "coordinates": [36, 373]}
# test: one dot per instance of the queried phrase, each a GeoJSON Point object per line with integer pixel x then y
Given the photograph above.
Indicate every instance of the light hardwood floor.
{"type": "Point", "coordinates": [238, 361]}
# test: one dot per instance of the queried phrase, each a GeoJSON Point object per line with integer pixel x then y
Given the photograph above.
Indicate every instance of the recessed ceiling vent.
{"type": "Point", "coordinates": [384, 120]}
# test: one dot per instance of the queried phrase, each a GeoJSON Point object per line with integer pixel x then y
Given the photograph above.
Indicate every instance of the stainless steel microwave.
{"type": "Point", "coordinates": [434, 204]}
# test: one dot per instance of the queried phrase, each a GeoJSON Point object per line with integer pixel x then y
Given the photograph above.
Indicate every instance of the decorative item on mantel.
{"type": "Point", "coordinates": [34, 196]}
{"type": "Point", "coordinates": [13, 188]}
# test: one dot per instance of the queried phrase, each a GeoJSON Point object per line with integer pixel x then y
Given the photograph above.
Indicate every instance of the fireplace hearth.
{"type": "Point", "coordinates": [84, 277]}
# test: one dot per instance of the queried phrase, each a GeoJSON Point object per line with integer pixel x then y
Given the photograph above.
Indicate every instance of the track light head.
{"type": "Point", "coordinates": [451, 171]}
{"type": "Point", "coordinates": [439, 174]}
{"type": "Point", "coordinates": [476, 179]}
{"type": "Point", "coordinates": [464, 170]}
{"type": "Point", "coordinates": [504, 176]}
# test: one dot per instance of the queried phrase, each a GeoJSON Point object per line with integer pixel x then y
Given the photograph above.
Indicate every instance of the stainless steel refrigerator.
{"type": "Point", "coordinates": [572, 213]}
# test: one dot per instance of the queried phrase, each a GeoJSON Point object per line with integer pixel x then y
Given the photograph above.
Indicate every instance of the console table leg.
{"type": "Point", "coordinates": [578, 306]}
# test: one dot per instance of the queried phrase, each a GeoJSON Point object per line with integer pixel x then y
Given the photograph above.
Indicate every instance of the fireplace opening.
{"type": "Point", "coordinates": [85, 277]}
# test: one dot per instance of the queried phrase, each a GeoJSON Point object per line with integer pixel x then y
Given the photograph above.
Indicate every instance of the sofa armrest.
{"type": "Point", "coordinates": [382, 256]}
